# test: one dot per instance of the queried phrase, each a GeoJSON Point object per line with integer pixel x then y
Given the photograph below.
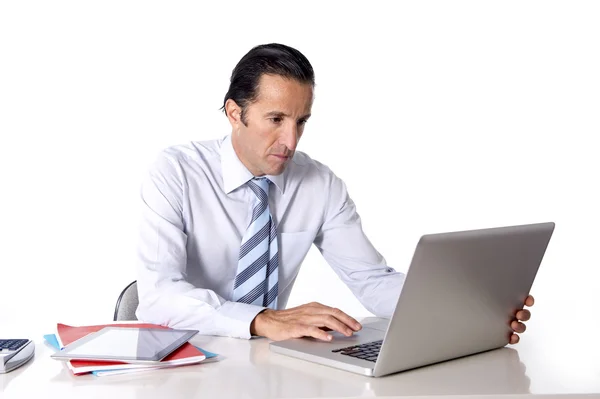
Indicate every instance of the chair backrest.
{"type": "Point", "coordinates": [127, 303]}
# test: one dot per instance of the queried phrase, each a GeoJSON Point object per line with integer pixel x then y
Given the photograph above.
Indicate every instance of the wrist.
{"type": "Point", "coordinates": [257, 323]}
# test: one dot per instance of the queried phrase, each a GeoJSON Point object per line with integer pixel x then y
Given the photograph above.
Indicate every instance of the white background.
{"type": "Point", "coordinates": [439, 116]}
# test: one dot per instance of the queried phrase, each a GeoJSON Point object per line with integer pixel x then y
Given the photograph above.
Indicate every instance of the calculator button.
{"type": "Point", "coordinates": [11, 344]}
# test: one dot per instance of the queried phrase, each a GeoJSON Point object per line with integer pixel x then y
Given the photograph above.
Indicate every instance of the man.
{"type": "Point", "coordinates": [227, 223]}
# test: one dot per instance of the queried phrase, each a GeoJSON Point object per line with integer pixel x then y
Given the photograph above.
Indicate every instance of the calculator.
{"type": "Point", "coordinates": [15, 353]}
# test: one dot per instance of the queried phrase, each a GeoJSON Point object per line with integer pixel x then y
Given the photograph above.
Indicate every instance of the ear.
{"type": "Point", "coordinates": [234, 113]}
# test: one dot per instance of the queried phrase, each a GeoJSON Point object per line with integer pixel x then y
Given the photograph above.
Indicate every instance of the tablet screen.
{"type": "Point", "coordinates": [120, 343]}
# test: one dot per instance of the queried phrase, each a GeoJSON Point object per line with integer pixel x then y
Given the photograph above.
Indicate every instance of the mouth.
{"type": "Point", "coordinates": [281, 157]}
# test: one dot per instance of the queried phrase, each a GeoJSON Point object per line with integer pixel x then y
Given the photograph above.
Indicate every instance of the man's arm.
{"type": "Point", "coordinates": [165, 297]}
{"type": "Point", "coordinates": [349, 252]}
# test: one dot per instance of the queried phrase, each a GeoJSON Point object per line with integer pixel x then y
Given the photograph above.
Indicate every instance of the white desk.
{"type": "Point", "coordinates": [249, 370]}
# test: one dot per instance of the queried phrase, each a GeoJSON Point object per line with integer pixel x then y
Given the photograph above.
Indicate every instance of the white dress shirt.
{"type": "Point", "coordinates": [196, 208]}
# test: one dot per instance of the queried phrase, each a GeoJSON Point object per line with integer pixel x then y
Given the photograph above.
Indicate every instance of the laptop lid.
{"type": "Point", "coordinates": [461, 293]}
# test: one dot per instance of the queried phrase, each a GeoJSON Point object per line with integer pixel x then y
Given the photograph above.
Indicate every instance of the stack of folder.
{"type": "Point", "coordinates": [186, 354]}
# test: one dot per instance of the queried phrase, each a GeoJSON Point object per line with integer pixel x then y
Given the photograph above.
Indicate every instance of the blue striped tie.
{"type": "Point", "coordinates": [256, 279]}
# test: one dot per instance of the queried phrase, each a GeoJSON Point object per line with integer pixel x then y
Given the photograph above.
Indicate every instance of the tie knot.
{"type": "Point", "coordinates": [262, 182]}
{"type": "Point", "coordinates": [260, 186]}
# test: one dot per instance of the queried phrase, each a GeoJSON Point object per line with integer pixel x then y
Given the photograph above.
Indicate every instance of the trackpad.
{"type": "Point", "coordinates": [377, 324]}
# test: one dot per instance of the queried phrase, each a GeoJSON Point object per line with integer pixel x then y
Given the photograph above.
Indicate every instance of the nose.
{"type": "Point", "coordinates": [289, 137]}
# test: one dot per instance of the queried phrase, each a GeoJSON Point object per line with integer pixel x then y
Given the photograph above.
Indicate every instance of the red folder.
{"type": "Point", "coordinates": [185, 354]}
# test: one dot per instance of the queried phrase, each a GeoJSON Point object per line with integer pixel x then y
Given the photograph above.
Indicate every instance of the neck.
{"type": "Point", "coordinates": [239, 153]}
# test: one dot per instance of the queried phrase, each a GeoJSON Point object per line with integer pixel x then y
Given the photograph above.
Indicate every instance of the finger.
{"type": "Point", "coordinates": [341, 316]}
{"type": "Point", "coordinates": [518, 327]}
{"type": "Point", "coordinates": [328, 321]}
{"type": "Point", "coordinates": [316, 332]}
{"type": "Point", "coordinates": [514, 339]}
{"type": "Point", "coordinates": [529, 301]}
{"type": "Point", "coordinates": [523, 315]}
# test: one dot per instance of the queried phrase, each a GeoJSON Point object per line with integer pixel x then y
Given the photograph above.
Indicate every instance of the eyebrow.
{"type": "Point", "coordinates": [279, 114]}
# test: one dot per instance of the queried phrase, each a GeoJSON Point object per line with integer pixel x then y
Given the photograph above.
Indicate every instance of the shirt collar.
{"type": "Point", "coordinates": [235, 174]}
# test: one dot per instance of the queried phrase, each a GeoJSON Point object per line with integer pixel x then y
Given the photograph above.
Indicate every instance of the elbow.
{"type": "Point", "coordinates": [148, 310]}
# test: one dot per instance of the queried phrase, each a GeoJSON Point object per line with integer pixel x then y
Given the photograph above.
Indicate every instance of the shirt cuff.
{"type": "Point", "coordinates": [240, 317]}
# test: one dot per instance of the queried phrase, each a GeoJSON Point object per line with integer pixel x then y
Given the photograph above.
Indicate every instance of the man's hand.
{"type": "Point", "coordinates": [310, 320]}
{"type": "Point", "coordinates": [521, 315]}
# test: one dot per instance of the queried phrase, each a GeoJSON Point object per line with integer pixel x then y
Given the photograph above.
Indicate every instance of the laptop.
{"type": "Point", "coordinates": [459, 297]}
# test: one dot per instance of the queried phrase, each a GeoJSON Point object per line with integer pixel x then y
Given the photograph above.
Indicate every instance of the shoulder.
{"type": "Point", "coordinates": [302, 162]}
{"type": "Point", "coordinates": [182, 158]}
{"type": "Point", "coordinates": [192, 151]}
{"type": "Point", "coordinates": [310, 170]}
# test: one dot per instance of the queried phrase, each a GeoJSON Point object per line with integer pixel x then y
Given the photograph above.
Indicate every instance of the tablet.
{"type": "Point", "coordinates": [126, 344]}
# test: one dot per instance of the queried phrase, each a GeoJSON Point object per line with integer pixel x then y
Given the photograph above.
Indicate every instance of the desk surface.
{"type": "Point", "coordinates": [249, 369]}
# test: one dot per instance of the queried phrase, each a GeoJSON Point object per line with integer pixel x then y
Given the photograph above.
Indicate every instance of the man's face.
{"type": "Point", "coordinates": [274, 123]}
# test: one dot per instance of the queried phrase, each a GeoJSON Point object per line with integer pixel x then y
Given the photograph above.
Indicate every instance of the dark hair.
{"type": "Point", "coordinates": [274, 59]}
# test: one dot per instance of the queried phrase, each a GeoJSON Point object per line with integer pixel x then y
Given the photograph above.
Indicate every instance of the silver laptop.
{"type": "Point", "coordinates": [459, 297]}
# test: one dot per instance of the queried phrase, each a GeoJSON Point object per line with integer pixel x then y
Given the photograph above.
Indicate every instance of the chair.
{"type": "Point", "coordinates": [127, 303]}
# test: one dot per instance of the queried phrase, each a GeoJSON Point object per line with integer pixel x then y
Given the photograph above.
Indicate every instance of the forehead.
{"type": "Point", "coordinates": [288, 95]}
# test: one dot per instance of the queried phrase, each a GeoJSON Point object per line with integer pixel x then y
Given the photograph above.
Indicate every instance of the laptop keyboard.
{"type": "Point", "coordinates": [368, 351]}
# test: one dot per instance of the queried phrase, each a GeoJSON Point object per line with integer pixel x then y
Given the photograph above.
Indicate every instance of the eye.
{"type": "Point", "coordinates": [276, 120]}
{"type": "Point", "coordinates": [302, 122]}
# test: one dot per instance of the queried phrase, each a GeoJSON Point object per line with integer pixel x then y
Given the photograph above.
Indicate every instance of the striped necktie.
{"type": "Point", "coordinates": [256, 279]}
